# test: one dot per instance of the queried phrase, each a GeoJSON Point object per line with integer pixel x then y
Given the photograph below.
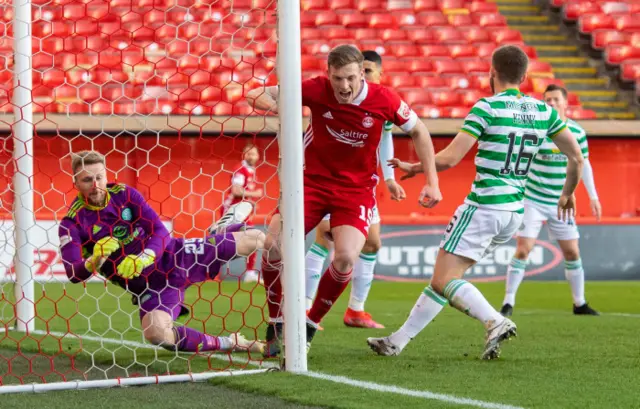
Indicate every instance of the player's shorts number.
{"type": "Point", "coordinates": [506, 169]}
{"type": "Point", "coordinates": [194, 246]}
{"type": "Point", "coordinates": [366, 214]}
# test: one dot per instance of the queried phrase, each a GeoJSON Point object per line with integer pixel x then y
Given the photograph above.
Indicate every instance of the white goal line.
{"type": "Point", "coordinates": [263, 367]}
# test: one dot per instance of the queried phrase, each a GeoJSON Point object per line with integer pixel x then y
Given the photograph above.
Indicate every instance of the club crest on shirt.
{"type": "Point", "coordinates": [404, 111]}
{"type": "Point", "coordinates": [126, 214]}
{"type": "Point", "coordinates": [367, 122]}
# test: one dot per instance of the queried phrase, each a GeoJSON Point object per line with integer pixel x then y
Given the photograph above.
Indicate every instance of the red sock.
{"type": "Point", "coordinates": [251, 261]}
{"type": "Point", "coordinates": [273, 286]}
{"type": "Point", "coordinates": [332, 285]}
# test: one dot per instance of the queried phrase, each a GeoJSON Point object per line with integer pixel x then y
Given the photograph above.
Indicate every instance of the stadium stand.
{"type": "Point", "coordinates": [104, 57]}
{"type": "Point", "coordinates": [607, 33]}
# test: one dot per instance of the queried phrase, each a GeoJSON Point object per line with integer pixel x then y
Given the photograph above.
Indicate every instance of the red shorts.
{"type": "Point", "coordinates": [353, 208]}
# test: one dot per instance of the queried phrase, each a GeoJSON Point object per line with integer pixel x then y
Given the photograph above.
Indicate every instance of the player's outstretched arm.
{"type": "Point", "coordinates": [423, 145]}
{"type": "Point", "coordinates": [455, 151]}
{"type": "Point", "coordinates": [265, 98]}
{"type": "Point", "coordinates": [567, 143]}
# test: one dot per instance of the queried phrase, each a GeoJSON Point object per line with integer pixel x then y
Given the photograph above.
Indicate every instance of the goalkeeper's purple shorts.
{"type": "Point", "coordinates": [185, 262]}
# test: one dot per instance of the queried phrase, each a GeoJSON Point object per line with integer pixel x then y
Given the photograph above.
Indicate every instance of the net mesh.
{"type": "Point", "coordinates": [158, 87]}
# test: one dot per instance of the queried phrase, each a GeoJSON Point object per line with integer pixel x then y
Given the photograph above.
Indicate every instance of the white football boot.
{"type": "Point", "coordinates": [496, 334]}
{"type": "Point", "coordinates": [236, 214]}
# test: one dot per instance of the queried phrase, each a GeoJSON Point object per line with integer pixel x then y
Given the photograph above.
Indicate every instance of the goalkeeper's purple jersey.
{"type": "Point", "coordinates": [126, 217]}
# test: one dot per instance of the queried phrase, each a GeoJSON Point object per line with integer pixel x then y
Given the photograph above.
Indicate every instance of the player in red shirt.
{"type": "Point", "coordinates": [341, 162]}
{"type": "Point", "coordinates": [244, 188]}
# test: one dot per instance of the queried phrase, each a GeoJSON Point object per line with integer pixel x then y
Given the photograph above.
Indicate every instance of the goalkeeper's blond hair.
{"type": "Point", "coordinates": [80, 159]}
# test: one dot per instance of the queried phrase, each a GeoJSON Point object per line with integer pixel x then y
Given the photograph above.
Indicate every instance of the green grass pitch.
{"type": "Point", "coordinates": [557, 361]}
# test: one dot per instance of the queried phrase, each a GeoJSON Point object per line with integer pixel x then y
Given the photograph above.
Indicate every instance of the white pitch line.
{"type": "Point", "coordinates": [452, 399]}
{"type": "Point", "coordinates": [567, 313]}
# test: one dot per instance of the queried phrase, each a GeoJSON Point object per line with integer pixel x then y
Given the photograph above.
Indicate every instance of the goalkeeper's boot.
{"type": "Point", "coordinates": [384, 346]}
{"type": "Point", "coordinates": [506, 310]}
{"type": "Point", "coordinates": [496, 334]}
{"type": "Point", "coordinates": [584, 309]}
{"type": "Point", "coordinates": [241, 344]}
{"type": "Point", "coordinates": [274, 340]}
{"type": "Point", "coordinates": [235, 215]}
{"type": "Point", "coordinates": [360, 319]}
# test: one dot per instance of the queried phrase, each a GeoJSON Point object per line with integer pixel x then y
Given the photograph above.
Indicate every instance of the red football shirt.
{"type": "Point", "coordinates": [245, 177]}
{"type": "Point", "coordinates": [341, 142]}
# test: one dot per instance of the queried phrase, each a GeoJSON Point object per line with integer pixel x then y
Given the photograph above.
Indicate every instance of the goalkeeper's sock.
{"type": "Point", "coordinates": [273, 286]}
{"type": "Point", "coordinates": [362, 279]}
{"type": "Point", "coordinates": [465, 297]}
{"type": "Point", "coordinates": [575, 275]}
{"type": "Point", "coordinates": [427, 307]}
{"type": "Point", "coordinates": [190, 340]}
{"type": "Point", "coordinates": [332, 285]}
{"type": "Point", "coordinates": [515, 274]}
{"type": "Point", "coordinates": [314, 261]}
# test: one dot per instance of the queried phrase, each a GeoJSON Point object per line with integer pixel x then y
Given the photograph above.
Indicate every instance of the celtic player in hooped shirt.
{"type": "Point", "coordinates": [111, 230]}
{"type": "Point", "coordinates": [509, 128]}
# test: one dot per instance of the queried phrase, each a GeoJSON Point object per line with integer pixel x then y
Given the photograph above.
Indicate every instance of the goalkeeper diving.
{"type": "Point", "coordinates": [111, 230]}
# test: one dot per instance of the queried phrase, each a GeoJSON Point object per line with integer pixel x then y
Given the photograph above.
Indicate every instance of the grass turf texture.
{"type": "Point", "coordinates": [558, 360]}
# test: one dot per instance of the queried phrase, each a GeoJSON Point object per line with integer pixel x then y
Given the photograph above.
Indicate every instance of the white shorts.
{"type": "Point", "coordinates": [375, 216]}
{"type": "Point", "coordinates": [475, 232]}
{"type": "Point", "coordinates": [535, 214]}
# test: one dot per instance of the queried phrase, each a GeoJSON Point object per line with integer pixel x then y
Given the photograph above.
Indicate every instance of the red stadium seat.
{"type": "Point", "coordinates": [617, 54]}
{"type": "Point", "coordinates": [540, 84]}
{"type": "Point", "coordinates": [485, 50]}
{"type": "Point", "coordinates": [573, 99]}
{"type": "Point", "coordinates": [372, 6]}
{"type": "Point", "coordinates": [448, 35]}
{"type": "Point", "coordinates": [340, 5]}
{"type": "Point", "coordinates": [588, 23]}
{"type": "Point", "coordinates": [420, 36]}
{"type": "Point", "coordinates": [630, 23]}
{"type": "Point", "coordinates": [312, 5]}
{"type": "Point", "coordinates": [393, 35]}
{"type": "Point", "coordinates": [429, 111]}
{"type": "Point", "coordinates": [435, 51]}
{"type": "Point", "coordinates": [399, 81]}
{"type": "Point", "coordinates": [354, 20]}
{"type": "Point", "coordinates": [457, 112]}
{"type": "Point", "coordinates": [416, 97]}
{"type": "Point", "coordinates": [489, 19]}
{"type": "Point", "coordinates": [405, 20]}
{"type": "Point", "coordinates": [473, 66]}
{"type": "Point", "coordinates": [381, 21]}
{"type": "Point", "coordinates": [469, 98]}
{"type": "Point", "coordinates": [483, 7]}
{"type": "Point", "coordinates": [505, 35]}
{"type": "Point", "coordinates": [308, 19]}
{"type": "Point", "coordinates": [458, 82]}
{"type": "Point", "coordinates": [445, 98]}
{"type": "Point", "coordinates": [366, 34]}
{"type": "Point", "coordinates": [405, 50]}
{"type": "Point", "coordinates": [463, 51]}
{"type": "Point", "coordinates": [328, 18]}
{"type": "Point", "coordinates": [308, 33]}
{"type": "Point", "coordinates": [337, 33]}
{"type": "Point", "coordinates": [460, 20]}
{"type": "Point", "coordinates": [451, 4]}
{"type": "Point", "coordinates": [394, 66]}
{"type": "Point", "coordinates": [475, 34]}
{"type": "Point", "coordinates": [444, 67]}
{"type": "Point", "coordinates": [572, 11]}
{"type": "Point", "coordinates": [602, 38]}
{"type": "Point", "coordinates": [432, 83]}
{"type": "Point", "coordinates": [539, 67]}
{"type": "Point", "coordinates": [479, 81]}
{"type": "Point", "coordinates": [421, 66]}
{"type": "Point", "coordinates": [630, 70]}
{"type": "Point", "coordinates": [580, 113]}
{"type": "Point", "coordinates": [433, 19]}
{"type": "Point", "coordinates": [425, 5]}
